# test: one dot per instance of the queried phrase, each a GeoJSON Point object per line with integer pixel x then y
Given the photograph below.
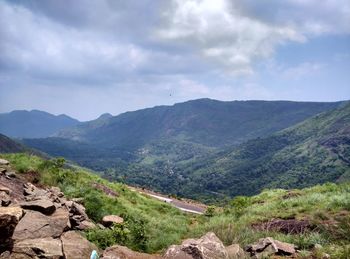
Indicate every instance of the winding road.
{"type": "Point", "coordinates": [181, 205]}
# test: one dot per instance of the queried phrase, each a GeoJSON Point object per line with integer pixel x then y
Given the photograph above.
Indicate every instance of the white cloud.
{"type": "Point", "coordinates": [220, 33]}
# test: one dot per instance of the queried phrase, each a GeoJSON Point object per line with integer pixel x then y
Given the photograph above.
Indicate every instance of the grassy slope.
{"type": "Point", "coordinates": [152, 225]}
{"type": "Point", "coordinates": [147, 219]}
{"type": "Point", "coordinates": [319, 204]}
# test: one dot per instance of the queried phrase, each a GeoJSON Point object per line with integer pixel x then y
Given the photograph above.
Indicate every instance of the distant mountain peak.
{"type": "Point", "coordinates": [33, 124]}
{"type": "Point", "coordinates": [105, 116]}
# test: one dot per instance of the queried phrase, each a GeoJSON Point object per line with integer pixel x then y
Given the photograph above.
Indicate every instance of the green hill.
{"type": "Point", "coordinates": [314, 151]}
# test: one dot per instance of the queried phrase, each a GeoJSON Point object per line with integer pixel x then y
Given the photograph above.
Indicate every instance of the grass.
{"type": "Point", "coordinates": [151, 226]}
{"type": "Point", "coordinates": [319, 204]}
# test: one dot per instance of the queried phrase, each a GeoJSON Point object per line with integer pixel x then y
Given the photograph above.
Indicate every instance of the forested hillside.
{"type": "Point", "coordinates": [162, 136]}
{"type": "Point", "coordinates": [314, 151]}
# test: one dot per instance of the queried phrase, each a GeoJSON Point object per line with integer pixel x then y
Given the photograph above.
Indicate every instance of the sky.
{"type": "Point", "coordinates": [84, 57]}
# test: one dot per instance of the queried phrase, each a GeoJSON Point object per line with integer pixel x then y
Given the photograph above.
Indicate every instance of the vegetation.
{"type": "Point", "coordinates": [146, 219]}
{"type": "Point", "coordinates": [314, 151]}
{"type": "Point", "coordinates": [151, 225]}
{"type": "Point", "coordinates": [7, 145]}
{"type": "Point", "coordinates": [167, 148]}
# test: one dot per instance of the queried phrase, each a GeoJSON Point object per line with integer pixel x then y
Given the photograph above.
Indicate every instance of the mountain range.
{"type": "Point", "coordinates": [207, 149]}
{"type": "Point", "coordinates": [33, 124]}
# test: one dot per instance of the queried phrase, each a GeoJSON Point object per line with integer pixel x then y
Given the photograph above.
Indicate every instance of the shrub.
{"type": "Point", "coordinates": [104, 238]}
{"type": "Point", "coordinates": [240, 203]}
{"type": "Point", "coordinates": [210, 212]}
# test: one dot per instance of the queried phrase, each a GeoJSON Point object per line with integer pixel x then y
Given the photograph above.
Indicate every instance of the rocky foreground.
{"type": "Point", "coordinates": [38, 222]}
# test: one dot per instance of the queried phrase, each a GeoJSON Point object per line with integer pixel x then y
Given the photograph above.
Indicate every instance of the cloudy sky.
{"type": "Point", "coordinates": [85, 57]}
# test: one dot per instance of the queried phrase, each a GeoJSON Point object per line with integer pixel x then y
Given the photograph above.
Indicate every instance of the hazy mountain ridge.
{"type": "Point", "coordinates": [33, 124]}
{"type": "Point", "coordinates": [203, 121]}
{"type": "Point", "coordinates": [164, 135]}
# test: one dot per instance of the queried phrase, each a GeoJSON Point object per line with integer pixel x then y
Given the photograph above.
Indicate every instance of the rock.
{"type": "Point", "coordinates": [5, 189]}
{"type": "Point", "coordinates": [268, 246]}
{"type": "Point", "coordinates": [44, 206]}
{"type": "Point", "coordinates": [2, 170]}
{"type": "Point", "coordinates": [55, 195]}
{"type": "Point", "coordinates": [28, 189]}
{"type": "Point", "coordinates": [85, 225]}
{"type": "Point", "coordinates": [78, 209]}
{"type": "Point", "coordinates": [75, 246]}
{"type": "Point", "coordinates": [56, 191]}
{"type": "Point", "coordinates": [38, 248]}
{"type": "Point", "coordinates": [5, 199]}
{"type": "Point", "coordinates": [318, 247]}
{"type": "Point", "coordinates": [206, 247]}
{"type": "Point", "coordinates": [34, 193]}
{"type": "Point", "coordinates": [101, 226]}
{"type": "Point", "coordinates": [9, 218]}
{"type": "Point", "coordinates": [68, 204]}
{"type": "Point", "coordinates": [109, 220]}
{"type": "Point", "coordinates": [37, 225]}
{"type": "Point", "coordinates": [5, 255]}
{"type": "Point", "coordinates": [285, 248]}
{"type": "Point", "coordinates": [10, 174]}
{"type": "Point", "coordinates": [122, 252]}
{"type": "Point", "coordinates": [4, 162]}
{"type": "Point", "coordinates": [78, 200]}
{"type": "Point", "coordinates": [234, 251]}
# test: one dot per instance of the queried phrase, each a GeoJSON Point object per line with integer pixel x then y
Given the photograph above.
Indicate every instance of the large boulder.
{"type": "Point", "coordinates": [38, 248]}
{"type": "Point", "coordinates": [266, 247]}
{"type": "Point", "coordinates": [75, 246]}
{"type": "Point", "coordinates": [109, 220]}
{"type": "Point", "coordinates": [122, 252]}
{"type": "Point", "coordinates": [37, 225]}
{"type": "Point", "coordinates": [207, 247]}
{"type": "Point", "coordinates": [9, 218]}
{"type": "Point", "coordinates": [43, 205]}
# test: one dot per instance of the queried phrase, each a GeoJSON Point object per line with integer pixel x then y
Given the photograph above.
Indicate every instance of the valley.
{"type": "Point", "coordinates": [187, 150]}
{"type": "Point", "coordinates": [285, 186]}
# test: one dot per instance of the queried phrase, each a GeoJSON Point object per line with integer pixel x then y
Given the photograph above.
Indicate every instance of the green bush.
{"type": "Point", "coordinates": [239, 204]}
{"type": "Point", "coordinates": [210, 211]}
{"type": "Point", "coordinates": [104, 238]}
